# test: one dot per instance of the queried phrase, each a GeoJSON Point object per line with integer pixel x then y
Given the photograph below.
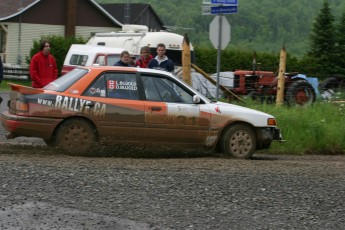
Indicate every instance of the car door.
{"type": "Point", "coordinates": [170, 114]}
{"type": "Point", "coordinates": [123, 118]}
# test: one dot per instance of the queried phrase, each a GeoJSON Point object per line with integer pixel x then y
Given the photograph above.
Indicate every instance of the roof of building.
{"type": "Point", "coordinates": [136, 11]}
{"type": "Point", "coordinates": [12, 8]}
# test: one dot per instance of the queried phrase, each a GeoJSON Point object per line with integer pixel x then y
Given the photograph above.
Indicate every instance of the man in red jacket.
{"type": "Point", "coordinates": [43, 68]}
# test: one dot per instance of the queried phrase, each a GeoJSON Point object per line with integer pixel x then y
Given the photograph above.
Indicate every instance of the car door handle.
{"type": "Point", "coordinates": [156, 108]}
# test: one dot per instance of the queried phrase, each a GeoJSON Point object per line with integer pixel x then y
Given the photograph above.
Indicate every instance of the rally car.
{"type": "Point", "coordinates": [113, 105]}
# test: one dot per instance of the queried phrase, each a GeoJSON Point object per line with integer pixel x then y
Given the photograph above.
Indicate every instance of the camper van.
{"type": "Point", "coordinates": [133, 37]}
{"type": "Point", "coordinates": [88, 55]}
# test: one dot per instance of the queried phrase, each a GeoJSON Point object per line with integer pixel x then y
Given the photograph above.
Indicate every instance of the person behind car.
{"type": "Point", "coordinates": [124, 59]}
{"type": "Point", "coordinates": [43, 68]}
{"type": "Point", "coordinates": [161, 61]}
{"type": "Point", "coordinates": [1, 74]}
{"type": "Point", "coordinates": [145, 57]}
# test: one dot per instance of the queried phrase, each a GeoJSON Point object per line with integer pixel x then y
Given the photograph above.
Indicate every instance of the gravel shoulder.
{"type": "Point", "coordinates": [121, 189]}
{"type": "Point", "coordinates": [42, 189]}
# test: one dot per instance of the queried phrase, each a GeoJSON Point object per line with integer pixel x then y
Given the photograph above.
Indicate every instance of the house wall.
{"type": "Point", "coordinates": [32, 32]}
{"type": "Point", "coordinates": [29, 33]}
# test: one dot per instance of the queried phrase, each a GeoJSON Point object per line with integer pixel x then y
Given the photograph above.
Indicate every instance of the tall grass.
{"type": "Point", "coordinates": [317, 129]}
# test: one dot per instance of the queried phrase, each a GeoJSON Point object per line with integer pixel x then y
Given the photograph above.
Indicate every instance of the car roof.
{"type": "Point", "coordinates": [129, 69]}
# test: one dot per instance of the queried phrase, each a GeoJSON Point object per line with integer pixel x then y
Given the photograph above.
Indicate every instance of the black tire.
{"type": "Point", "coordinates": [300, 93]}
{"type": "Point", "coordinates": [259, 98]}
{"type": "Point", "coordinates": [76, 137]}
{"type": "Point", "coordinates": [239, 141]}
{"type": "Point", "coordinates": [50, 142]}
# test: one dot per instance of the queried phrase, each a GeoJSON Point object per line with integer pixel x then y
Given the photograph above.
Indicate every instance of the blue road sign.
{"type": "Point", "coordinates": [223, 9]}
{"type": "Point", "coordinates": [234, 2]}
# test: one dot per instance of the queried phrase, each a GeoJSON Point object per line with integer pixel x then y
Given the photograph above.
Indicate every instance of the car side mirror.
{"type": "Point", "coordinates": [196, 99]}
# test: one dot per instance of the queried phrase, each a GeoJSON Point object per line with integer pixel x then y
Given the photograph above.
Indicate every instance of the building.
{"type": "Point", "coordinates": [135, 13]}
{"type": "Point", "coordinates": [24, 21]}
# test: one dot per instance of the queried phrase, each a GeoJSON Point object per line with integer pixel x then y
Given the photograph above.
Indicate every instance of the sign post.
{"type": "Point", "coordinates": [219, 38]}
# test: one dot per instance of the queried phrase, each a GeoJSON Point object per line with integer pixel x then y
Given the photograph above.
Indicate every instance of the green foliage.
{"type": "Point", "coordinates": [232, 58]}
{"type": "Point", "coordinates": [313, 129]}
{"type": "Point", "coordinates": [4, 86]}
{"type": "Point", "coordinates": [340, 46]}
{"type": "Point", "coordinates": [262, 26]}
{"type": "Point", "coordinates": [323, 40]}
{"type": "Point", "coordinates": [59, 47]}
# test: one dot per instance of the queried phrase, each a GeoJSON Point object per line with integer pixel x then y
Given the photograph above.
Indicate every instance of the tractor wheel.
{"type": "Point", "coordinates": [300, 93]}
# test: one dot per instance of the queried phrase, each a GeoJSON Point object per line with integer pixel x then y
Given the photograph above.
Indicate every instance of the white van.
{"type": "Point", "coordinates": [133, 37]}
{"type": "Point", "coordinates": [88, 55]}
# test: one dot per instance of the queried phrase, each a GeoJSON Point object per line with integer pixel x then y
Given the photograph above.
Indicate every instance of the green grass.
{"type": "Point", "coordinates": [4, 86]}
{"type": "Point", "coordinates": [317, 129]}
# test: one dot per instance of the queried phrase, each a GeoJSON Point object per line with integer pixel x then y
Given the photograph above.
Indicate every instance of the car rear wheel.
{"type": "Point", "coordinates": [239, 141]}
{"type": "Point", "coordinates": [76, 136]}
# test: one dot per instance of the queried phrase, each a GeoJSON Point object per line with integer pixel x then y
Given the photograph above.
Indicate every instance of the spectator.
{"type": "Point", "coordinates": [1, 74]}
{"type": "Point", "coordinates": [161, 61]}
{"type": "Point", "coordinates": [145, 57]}
{"type": "Point", "coordinates": [43, 68]}
{"type": "Point", "coordinates": [124, 59]}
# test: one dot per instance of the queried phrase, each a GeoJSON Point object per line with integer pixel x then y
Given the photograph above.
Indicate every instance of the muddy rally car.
{"type": "Point", "coordinates": [89, 106]}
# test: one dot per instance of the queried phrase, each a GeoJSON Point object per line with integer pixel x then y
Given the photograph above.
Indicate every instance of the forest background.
{"type": "Point", "coordinates": [306, 29]}
{"type": "Point", "coordinates": [264, 25]}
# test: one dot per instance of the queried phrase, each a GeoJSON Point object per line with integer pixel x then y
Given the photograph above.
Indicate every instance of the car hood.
{"type": "Point", "coordinates": [231, 112]}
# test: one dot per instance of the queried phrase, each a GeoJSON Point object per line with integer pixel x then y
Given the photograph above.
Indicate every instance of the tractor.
{"type": "Point", "coordinates": [262, 86]}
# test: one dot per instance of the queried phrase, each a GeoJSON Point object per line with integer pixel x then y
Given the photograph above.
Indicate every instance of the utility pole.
{"type": "Point", "coordinates": [127, 19]}
{"type": "Point", "coordinates": [281, 77]}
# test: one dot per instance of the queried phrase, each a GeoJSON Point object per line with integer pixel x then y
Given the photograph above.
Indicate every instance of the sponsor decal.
{"type": "Point", "coordinates": [75, 105]}
{"type": "Point", "coordinates": [217, 109]}
{"type": "Point", "coordinates": [125, 85]}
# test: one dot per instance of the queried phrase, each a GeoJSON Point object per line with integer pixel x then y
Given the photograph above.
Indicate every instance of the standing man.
{"type": "Point", "coordinates": [1, 74]}
{"type": "Point", "coordinates": [161, 61]}
{"type": "Point", "coordinates": [145, 57]}
{"type": "Point", "coordinates": [43, 68]}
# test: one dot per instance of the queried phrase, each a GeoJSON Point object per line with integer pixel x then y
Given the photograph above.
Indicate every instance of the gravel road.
{"type": "Point", "coordinates": [40, 189]}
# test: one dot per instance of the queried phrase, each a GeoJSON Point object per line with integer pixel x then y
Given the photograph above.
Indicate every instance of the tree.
{"type": "Point", "coordinates": [323, 40]}
{"type": "Point", "coordinates": [340, 38]}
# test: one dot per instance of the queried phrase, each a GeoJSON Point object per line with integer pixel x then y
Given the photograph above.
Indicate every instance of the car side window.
{"type": "Point", "coordinates": [122, 86]}
{"type": "Point", "coordinates": [164, 89]}
{"type": "Point", "coordinates": [97, 88]}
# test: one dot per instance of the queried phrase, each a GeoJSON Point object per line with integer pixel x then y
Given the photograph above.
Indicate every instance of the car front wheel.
{"type": "Point", "coordinates": [76, 136]}
{"type": "Point", "coordinates": [239, 142]}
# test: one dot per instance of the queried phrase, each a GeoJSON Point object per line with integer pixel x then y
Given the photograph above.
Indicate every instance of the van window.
{"type": "Point", "coordinates": [100, 60]}
{"type": "Point", "coordinates": [78, 59]}
{"type": "Point", "coordinates": [103, 60]}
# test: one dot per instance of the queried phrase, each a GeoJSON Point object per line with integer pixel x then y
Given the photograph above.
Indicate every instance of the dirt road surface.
{"type": "Point", "coordinates": [42, 189]}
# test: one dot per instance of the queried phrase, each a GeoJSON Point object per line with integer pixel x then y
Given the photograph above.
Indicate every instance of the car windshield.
{"type": "Point", "coordinates": [63, 83]}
